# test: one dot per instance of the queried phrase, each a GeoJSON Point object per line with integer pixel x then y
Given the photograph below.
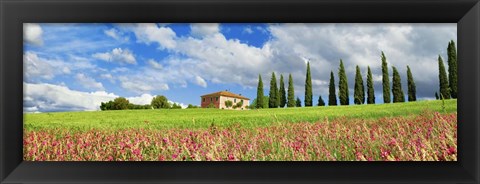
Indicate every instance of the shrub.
{"type": "Point", "coordinates": [211, 105]}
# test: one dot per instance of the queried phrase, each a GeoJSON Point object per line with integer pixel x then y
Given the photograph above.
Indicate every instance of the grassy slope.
{"type": "Point", "coordinates": [202, 118]}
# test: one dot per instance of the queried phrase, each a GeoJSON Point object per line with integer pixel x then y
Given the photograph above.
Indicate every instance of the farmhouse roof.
{"type": "Point", "coordinates": [226, 93]}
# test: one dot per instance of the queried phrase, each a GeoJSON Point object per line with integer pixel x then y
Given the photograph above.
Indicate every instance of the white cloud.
{"type": "Point", "coordinates": [204, 29]}
{"type": "Point", "coordinates": [32, 33]}
{"type": "Point", "coordinates": [37, 68]}
{"type": "Point", "coordinates": [115, 34]}
{"type": "Point", "coordinates": [141, 83]}
{"type": "Point", "coordinates": [248, 30]}
{"type": "Point", "coordinates": [155, 64]}
{"type": "Point", "coordinates": [120, 70]}
{"type": "Point", "coordinates": [141, 100]}
{"type": "Point", "coordinates": [108, 76]}
{"type": "Point", "coordinates": [88, 82]}
{"type": "Point", "coordinates": [200, 81]}
{"type": "Point", "coordinates": [148, 33]}
{"type": "Point", "coordinates": [48, 97]}
{"type": "Point", "coordinates": [117, 55]}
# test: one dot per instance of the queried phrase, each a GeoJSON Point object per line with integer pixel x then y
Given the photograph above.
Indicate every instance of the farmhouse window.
{"type": "Point", "coordinates": [235, 100]}
{"type": "Point", "coordinates": [216, 99]}
{"type": "Point", "coordinates": [211, 99]}
{"type": "Point", "coordinates": [203, 99]}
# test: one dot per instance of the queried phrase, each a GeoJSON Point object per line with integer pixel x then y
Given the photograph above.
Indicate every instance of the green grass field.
{"type": "Point", "coordinates": [203, 118]}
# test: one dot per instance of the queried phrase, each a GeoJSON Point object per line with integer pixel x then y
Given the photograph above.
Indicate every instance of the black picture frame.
{"type": "Point", "coordinates": [466, 13]}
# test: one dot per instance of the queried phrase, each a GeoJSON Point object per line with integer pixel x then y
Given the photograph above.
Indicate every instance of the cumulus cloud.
{"type": "Point", "coordinates": [204, 29]}
{"type": "Point", "coordinates": [89, 82]}
{"type": "Point", "coordinates": [117, 55]}
{"type": "Point", "coordinates": [48, 97]}
{"type": "Point", "coordinates": [141, 100]}
{"type": "Point", "coordinates": [153, 33]}
{"type": "Point", "coordinates": [32, 34]}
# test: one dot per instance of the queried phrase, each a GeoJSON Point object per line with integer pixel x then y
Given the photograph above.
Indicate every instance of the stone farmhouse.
{"type": "Point", "coordinates": [219, 98]}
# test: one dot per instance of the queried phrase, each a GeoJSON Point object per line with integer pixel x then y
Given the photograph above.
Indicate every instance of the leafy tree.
{"type": "Point", "coordinates": [436, 96]}
{"type": "Point", "coordinates": [120, 103]}
{"type": "Point", "coordinates": [273, 94]}
{"type": "Point", "coordinates": [342, 85]}
{"type": "Point", "coordinates": [160, 102]}
{"type": "Point", "coordinates": [176, 106]}
{"type": "Point", "coordinates": [359, 90]}
{"type": "Point", "coordinates": [444, 89]}
{"type": "Point", "coordinates": [282, 94]}
{"type": "Point", "coordinates": [370, 90]}
{"type": "Point", "coordinates": [308, 87]}
{"type": "Point", "coordinates": [298, 102]}
{"type": "Point", "coordinates": [106, 106]}
{"type": "Point", "coordinates": [412, 96]}
{"type": "Point", "coordinates": [190, 106]}
{"type": "Point", "coordinates": [103, 106]}
{"type": "Point", "coordinates": [332, 96]}
{"type": "Point", "coordinates": [397, 91]}
{"type": "Point", "coordinates": [385, 80]}
{"type": "Point", "coordinates": [291, 92]}
{"type": "Point", "coordinates": [260, 102]}
{"type": "Point", "coordinates": [320, 101]}
{"type": "Point", "coordinates": [452, 68]}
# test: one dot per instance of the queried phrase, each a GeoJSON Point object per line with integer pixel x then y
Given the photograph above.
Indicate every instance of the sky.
{"type": "Point", "coordinates": [75, 67]}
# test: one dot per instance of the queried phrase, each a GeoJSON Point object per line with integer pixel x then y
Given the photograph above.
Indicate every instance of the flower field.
{"type": "Point", "coordinates": [426, 136]}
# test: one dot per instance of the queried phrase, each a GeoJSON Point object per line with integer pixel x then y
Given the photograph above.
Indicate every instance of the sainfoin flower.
{"type": "Point", "coordinates": [426, 137]}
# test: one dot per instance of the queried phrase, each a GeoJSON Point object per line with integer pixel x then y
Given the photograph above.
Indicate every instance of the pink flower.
{"type": "Point", "coordinates": [451, 150]}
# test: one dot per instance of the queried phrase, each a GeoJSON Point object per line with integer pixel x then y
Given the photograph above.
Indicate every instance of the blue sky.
{"type": "Point", "coordinates": [74, 67]}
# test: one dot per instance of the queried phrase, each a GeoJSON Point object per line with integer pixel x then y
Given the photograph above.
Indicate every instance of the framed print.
{"type": "Point", "coordinates": [292, 92]}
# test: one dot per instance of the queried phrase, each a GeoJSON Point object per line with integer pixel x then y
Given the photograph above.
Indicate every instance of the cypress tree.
{"type": "Point", "coordinates": [370, 90]}
{"type": "Point", "coordinates": [332, 96]}
{"type": "Point", "coordinates": [320, 101]}
{"type": "Point", "coordinates": [452, 68]}
{"type": "Point", "coordinates": [291, 92]}
{"type": "Point", "coordinates": [359, 90]}
{"type": "Point", "coordinates": [342, 85]}
{"type": "Point", "coordinates": [282, 93]}
{"type": "Point", "coordinates": [385, 80]}
{"type": "Point", "coordinates": [299, 102]}
{"type": "Point", "coordinates": [273, 94]}
{"type": "Point", "coordinates": [442, 76]}
{"type": "Point", "coordinates": [397, 91]}
{"type": "Point", "coordinates": [412, 96]}
{"type": "Point", "coordinates": [259, 93]}
{"type": "Point", "coordinates": [308, 87]}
